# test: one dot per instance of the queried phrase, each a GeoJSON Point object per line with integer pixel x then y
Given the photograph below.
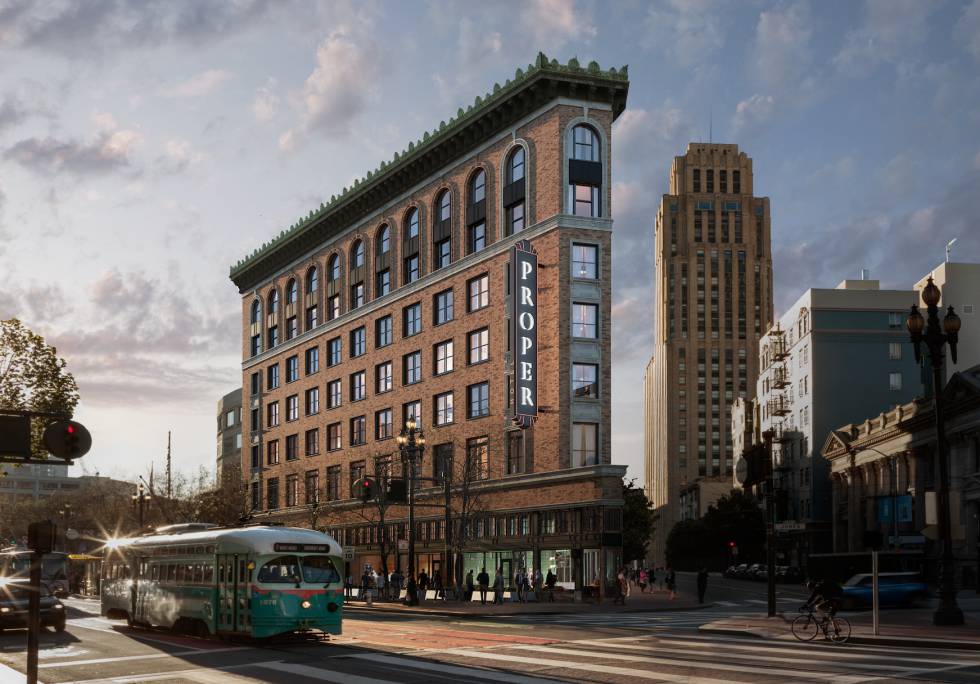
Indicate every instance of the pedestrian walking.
{"type": "Point", "coordinates": [437, 585]}
{"type": "Point", "coordinates": [423, 583]}
{"type": "Point", "coordinates": [622, 583]}
{"type": "Point", "coordinates": [519, 579]}
{"type": "Point", "coordinates": [412, 591]}
{"type": "Point", "coordinates": [365, 584]}
{"type": "Point", "coordinates": [643, 580]}
{"type": "Point", "coordinates": [538, 584]}
{"type": "Point", "coordinates": [382, 585]}
{"type": "Point", "coordinates": [702, 583]}
{"type": "Point", "coordinates": [498, 587]}
{"type": "Point", "coordinates": [550, 581]}
{"type": "Point", "coordinates": [670, 578]}
{"type": "Point", "coordinates": [468, 584]}
{"type": "Point", "coordinates": [483, 579]}
{"type": "Point", "coordinates": [349, 586]}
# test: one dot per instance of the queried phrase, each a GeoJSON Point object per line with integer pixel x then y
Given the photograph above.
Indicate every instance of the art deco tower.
{"type": "Point", "coordinates": [713, 303]}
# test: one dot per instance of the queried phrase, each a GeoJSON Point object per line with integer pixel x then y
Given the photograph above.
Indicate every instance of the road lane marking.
{"type": "Point", "coordinates": [146, 656]}
{"type": "Point", "coordinates": [12, 676]}
{"type": "Point", "coordinates": [495, 675]}
{"type": "Point", "coordinates": [157, 676]}
{"type": "Point", "coordinates": [324, 675]}
{"type": "Point", "coordinates": [708, 665]}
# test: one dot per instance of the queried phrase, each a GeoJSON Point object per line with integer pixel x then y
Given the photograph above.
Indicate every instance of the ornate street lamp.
{"type": "Point", "coordinates": [948, 612]}
{"type": "Point", "coordinates": [411, 445]}
{"type": "Point", "coordinates": [139, 500]}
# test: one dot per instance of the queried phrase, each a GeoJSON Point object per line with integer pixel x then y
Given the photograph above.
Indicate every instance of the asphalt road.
{"type": "Point", "coordinates": [381, 649]}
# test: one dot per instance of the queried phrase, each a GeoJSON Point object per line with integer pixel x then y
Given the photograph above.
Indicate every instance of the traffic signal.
{"type": "Point", "coordinates": [367, 489]}
{"type": "Point", "coordinates": [67, 439]}
{"type": "Point", "coordinates": [731, 544]}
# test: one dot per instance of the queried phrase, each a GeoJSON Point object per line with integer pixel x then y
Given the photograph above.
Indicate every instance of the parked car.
{"type": "Point", "coordinates": [751, 571]}
{"type": "Point", "coordinates": [739, 570]}
{"type": "Point", "coordinates": [789, 574]}
{"type": "Point", "coordinates": [762, 574]}
{"type": "Point", "coordinates": [730, 571]}
{"type": "Point", "coordinates": [894, 589]}
{"type": "Point", "coordinates": [14, 598]}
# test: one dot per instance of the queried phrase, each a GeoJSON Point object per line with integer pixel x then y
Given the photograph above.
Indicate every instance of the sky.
{"type": "Point", "coordinates": [147, 145]}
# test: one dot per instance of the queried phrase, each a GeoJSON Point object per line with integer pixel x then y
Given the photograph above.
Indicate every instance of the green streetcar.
{"type": "Point", "coordinates": [250, 581]}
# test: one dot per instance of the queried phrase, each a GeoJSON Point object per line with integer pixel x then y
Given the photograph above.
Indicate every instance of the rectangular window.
{"type": "Point", "coordinates": [895, 319]}
{"type": "Point", "coordinates": [356, 473]}
{"type": "Point", "coordinates": [312, 317]}
{"type": "Point", "coordinates": [356, 295]}
{"type": "Point", "coordinates": [382, 332]}
{"type": "Point", "coordinates": [292, 407]}
{"type": "Point", "coordinates": [697, 180]}
{"type": "Point", "coordinates": [477, 236]}
{"type": "Point", "coordinates": [585, 379]}
{"type": "Point", "coordinates": [479, 346]}
{"type": "Point", "coordinates": [334, 351]}
{"type": "Point", "coordinates": [292, 447]}
{"type": "Point", "coordinates": [412, 320]}
{"type": "Point", "coordinates": [383, 424]}
{"type": "Point", "coordinates": [358, 342]}
{"type": "Point", "coordinates": [273, 336]}
{"type": "Point", "coordinates": [256, 456]}
{"type": "Point", "coordinates": [312, 489]}
{"type": "Point", "coordinates": [442, 253]}
{"type": "Point", "coordinates": [382, 376]}
{"type": "Point", "coordinates": [272, 493]}
{"type": "Point", "coordinates": [333, 307]}
{"type": "Point", "coordinates": [583, 199]}
{"type": "Point", "coordinates": [478, 458]}
{"type": "Point", "coordinates": [443, 408]}
{"type": "Point", "coordinates": [334, 441]}
{"type": "Point", "coordinates": [443, 357]}
{"type": "Point", "coordinates": [516, 463]}
{"type": "Point", "coordinates": [478, 290]}
{"type": "Point", "coordinates": [272, 376]}
{"type": "Point", "coordinates": [358, 385]}
{"type": "Point", "coordinates": [411, 268]}
{"type": "Point", "coordinates": [412, 368]}
{"type": "Point", "coordinates": [382, 284]}
{"type": "Point", "coordinates": [479, 400]}
{"type": "Point", "coordinates": [894, 351]}
{"type": "Point", "coordinates": [256, 496]}
{"type": "Point", "coordinates": [312, 441]}
{"type": "Point", "coordinates": [312, 360]}
{"type": "Point", "coordinates": [894, 381]}
{"type": "Point", "coordinates": [255, 384]}
{"type": "Point", "coordinates": [333, 483]}
{"type": "Point", "coordinates": [585, 261]}
{"type": "Point", "coordinates": [292, 327]}
{"type": "Point", "coordinates": [412, 411]}
{"type": "Point", "coordinates": [584, 320]}
{"type": "Point", "coordinates": [736, 182]}
{"type": "Point", "coordinates": [723, 180]}
{"type": "Point", "coordinates": [312, 401]}
{"type": "Point", "coordinates": [272, 414]}
{"type": "Point", "coordinates": [584, 444]}
{"type": "Point", "coordinates": [292, 369]}
{"type": "Point", "coordinates": [442, 459]}
{"type": "Point", "coordinates": [358, 431]}
{"type": "Point", "coordinates": [515, 218]}
{"type": "Point", "coordinates": [710, 180]}
{"type": "Point", "coordinates": [272, 452]}
{"type": "Point", "coordinates": [443, 307]}
{"type": "Point", "coordinates": [333, 394]}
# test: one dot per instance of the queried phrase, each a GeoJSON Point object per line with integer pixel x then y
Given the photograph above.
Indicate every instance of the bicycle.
{"type": "Point", "coordinates": [806, 626]}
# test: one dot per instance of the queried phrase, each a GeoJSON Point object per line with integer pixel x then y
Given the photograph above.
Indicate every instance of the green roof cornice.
{"type": "Point", "coordinates": [611, 84]}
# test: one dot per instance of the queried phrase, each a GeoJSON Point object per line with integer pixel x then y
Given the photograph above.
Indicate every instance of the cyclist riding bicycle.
{"type": "Point", "coordinates": [825, 596]}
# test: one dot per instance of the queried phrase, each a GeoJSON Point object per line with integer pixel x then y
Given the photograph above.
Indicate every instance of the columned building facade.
{"type": "Point", "coordinates": [713, 302]}
{"type": "Point", "coordinates": [394, 301]}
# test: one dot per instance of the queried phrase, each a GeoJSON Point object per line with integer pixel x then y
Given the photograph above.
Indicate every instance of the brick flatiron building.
{"type": "Point", "coordinates": [394, 300]}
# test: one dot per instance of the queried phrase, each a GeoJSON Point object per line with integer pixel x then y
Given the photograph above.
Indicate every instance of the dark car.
{"type": "Point", "coordinates": [749, 572]}
{"type": "Point", "coordinates": [730, 571]}
{"type": "Point", "coordinates": [789, 574]}
{"type": "Point", "coordinates": [894, 589]}
{"type": "Point", "coordinates": [14, 598]}
{"type": "Point", "coordinates": [739, 571]}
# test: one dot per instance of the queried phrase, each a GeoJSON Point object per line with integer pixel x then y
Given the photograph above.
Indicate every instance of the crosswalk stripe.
{"type": "Point", "coordinates": [588, 667]}
{"type": "Point", "coordinates": [465, 672]}
{"type": "Point", "coordinates": [600, 655]}
{"type": "Point", "coordinates": [726, 603]}
{"type": "Point", "coordinates": [146, 656]}
{"type": "Point", "coordinates": [323, 675]}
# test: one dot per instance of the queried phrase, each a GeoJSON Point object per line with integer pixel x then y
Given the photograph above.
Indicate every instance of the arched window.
{"type": "Point", "coordinates": [274, 302]}
{"type": "Point", "coordinates": [312, 298]}
{"type": "Point", "coordinates": [442, 231]}
{"type": "Point", "coordinates": [357, 293]}
{"type": "Point", "coordinates": [584, 172]}
{"type": "Point", "coordinates": [333, 268]}
{"type": "Point", "coordinates": [357, 255]}
{"type": "Point", "coordinates": [514, 192]}
{"type": "Point", "coordinates": [411, 270]}
{"type": "Point", "coordinates": [256, 312]}
{"type": "Point", "coordinates": [476, 215]}
{"type": "Point", "coordinates": [292, 291]}
{"type": "Point", "coordinates": [255, 334]}
{"type": "Point", "coordinates": [382, 265]}
{"type": "Point", "coordinates": [384, 240]}
{"type": "Point", "coordinates": [312, 281]}
{"type": "Point", "coordinates": [272, 335]}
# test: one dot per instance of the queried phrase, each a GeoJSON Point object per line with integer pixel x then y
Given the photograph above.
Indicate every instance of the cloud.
{"type": "Point", "coordinates": [198, 85]}
{"type": "Point", "coordinates": [839, 170]}
{"type": "Point", "coordinates": [899, 176]}
{"type": "Point", "coordinates": [337, 90]}
{"type": "Point", "coordinates": [178, 156]}
{"type": "Point", "coordinates": [266, 102]}
{"type": "Point", "coordinates": [781, 49]}
{"type": "Point", "coordinates": [967, 29]}
{"type": "Point", "coordinates": [892, 31]}
{"type": "Point", "coordinates": [12, 112]}
{"type": "Point", "coordinates": [110, 150]}
{"type": "Point", "coordinates": [752, 113]}
{"type": "Point", "coordinates": [554, 23]}
{"type": "Point", "coordinates": [687, 31]}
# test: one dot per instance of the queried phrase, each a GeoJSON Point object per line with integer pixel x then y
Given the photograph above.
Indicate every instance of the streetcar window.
{"type": "Point", "coordinates": [319, 569]}
{"type": "Point", "coordinates": [172, 572]}
{"type": "Point", "coordinates": [208, 576]}
{"type": "Point", "coordinates": [154, 572]}
{"type": "Point", "coordinates": [221, 573]}
{"type": "Point", "coordinates": [282, 569]}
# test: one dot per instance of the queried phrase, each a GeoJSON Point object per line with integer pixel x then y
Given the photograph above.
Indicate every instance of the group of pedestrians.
{"type": "Point", "coordinates": [645, 578]}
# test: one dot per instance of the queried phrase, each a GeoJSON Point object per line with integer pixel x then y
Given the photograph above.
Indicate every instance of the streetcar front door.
{"type": "Point", "coordinates": [227, 573]}
{"type": "Point", "coordinates": [243, 619]}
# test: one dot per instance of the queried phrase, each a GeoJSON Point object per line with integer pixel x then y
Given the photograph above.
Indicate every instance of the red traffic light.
{"type": "Point", "coordinates": [70, 429]}
{"type": "Point", "coordinates": [731, 545]}
{"type": "Point", "coordinates": [67, 439]}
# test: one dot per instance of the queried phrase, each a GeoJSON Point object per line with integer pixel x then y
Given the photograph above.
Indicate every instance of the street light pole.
{"type": "Point", "coordinates": [139, 500]}
{"type": "Point", "coordinates": [411, 443]}
{"type": "Point", "coordinates": [948, 612]}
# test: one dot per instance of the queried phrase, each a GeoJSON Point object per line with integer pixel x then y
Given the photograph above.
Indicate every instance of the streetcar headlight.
{"type": "Point", "coordinates": [306, 604]}
{"type": "Point", "coordinates": [4, 609]}
{"type": "Point", "coordinates": [58, 606]}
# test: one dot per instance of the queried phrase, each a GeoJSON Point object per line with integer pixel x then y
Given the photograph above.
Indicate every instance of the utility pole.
{"type": "Point", "coordinates": [169, 490]}
{"type": "Point", "coordinates": [770, 527]}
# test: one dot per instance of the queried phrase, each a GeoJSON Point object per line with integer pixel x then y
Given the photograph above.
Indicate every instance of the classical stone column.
{"type": "Point", "coordinates": [853, 510]}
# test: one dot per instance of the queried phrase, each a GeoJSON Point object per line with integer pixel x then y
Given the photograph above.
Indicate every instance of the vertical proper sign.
{"type": "Point", "coordinates": [524, 277]}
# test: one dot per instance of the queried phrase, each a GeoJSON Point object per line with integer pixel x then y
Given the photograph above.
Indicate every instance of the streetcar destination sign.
{"type": "Point", "coordinates": [524, 323]}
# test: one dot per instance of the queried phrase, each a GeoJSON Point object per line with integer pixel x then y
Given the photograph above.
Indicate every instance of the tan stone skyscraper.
{"type": "Point", "coordinates": [713, 302]}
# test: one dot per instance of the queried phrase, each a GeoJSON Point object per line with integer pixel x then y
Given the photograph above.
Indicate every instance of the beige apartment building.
{"type": "Point", "coordinates": [713, 301]}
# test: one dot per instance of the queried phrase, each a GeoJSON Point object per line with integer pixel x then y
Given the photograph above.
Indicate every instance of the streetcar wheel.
{"type": "Point", "coordinates": [804, 628]}
{"type": "Point", "coordinates": [839, 631]}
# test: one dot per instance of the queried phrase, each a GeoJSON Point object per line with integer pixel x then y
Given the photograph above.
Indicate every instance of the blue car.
{"type": "Point", "coordinates": [894, 589]}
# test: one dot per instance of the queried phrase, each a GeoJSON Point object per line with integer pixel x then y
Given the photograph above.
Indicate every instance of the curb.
{"type": "Point", "coordinates": [456, 614]}
{"type": "Point", "coordinates": [864, 639]}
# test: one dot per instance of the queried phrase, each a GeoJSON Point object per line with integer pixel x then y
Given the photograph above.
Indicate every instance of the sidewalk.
{"type": "Point", "coordinates": [911, 628]}
{"type": "Point", "coordinates": [637, 602]}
